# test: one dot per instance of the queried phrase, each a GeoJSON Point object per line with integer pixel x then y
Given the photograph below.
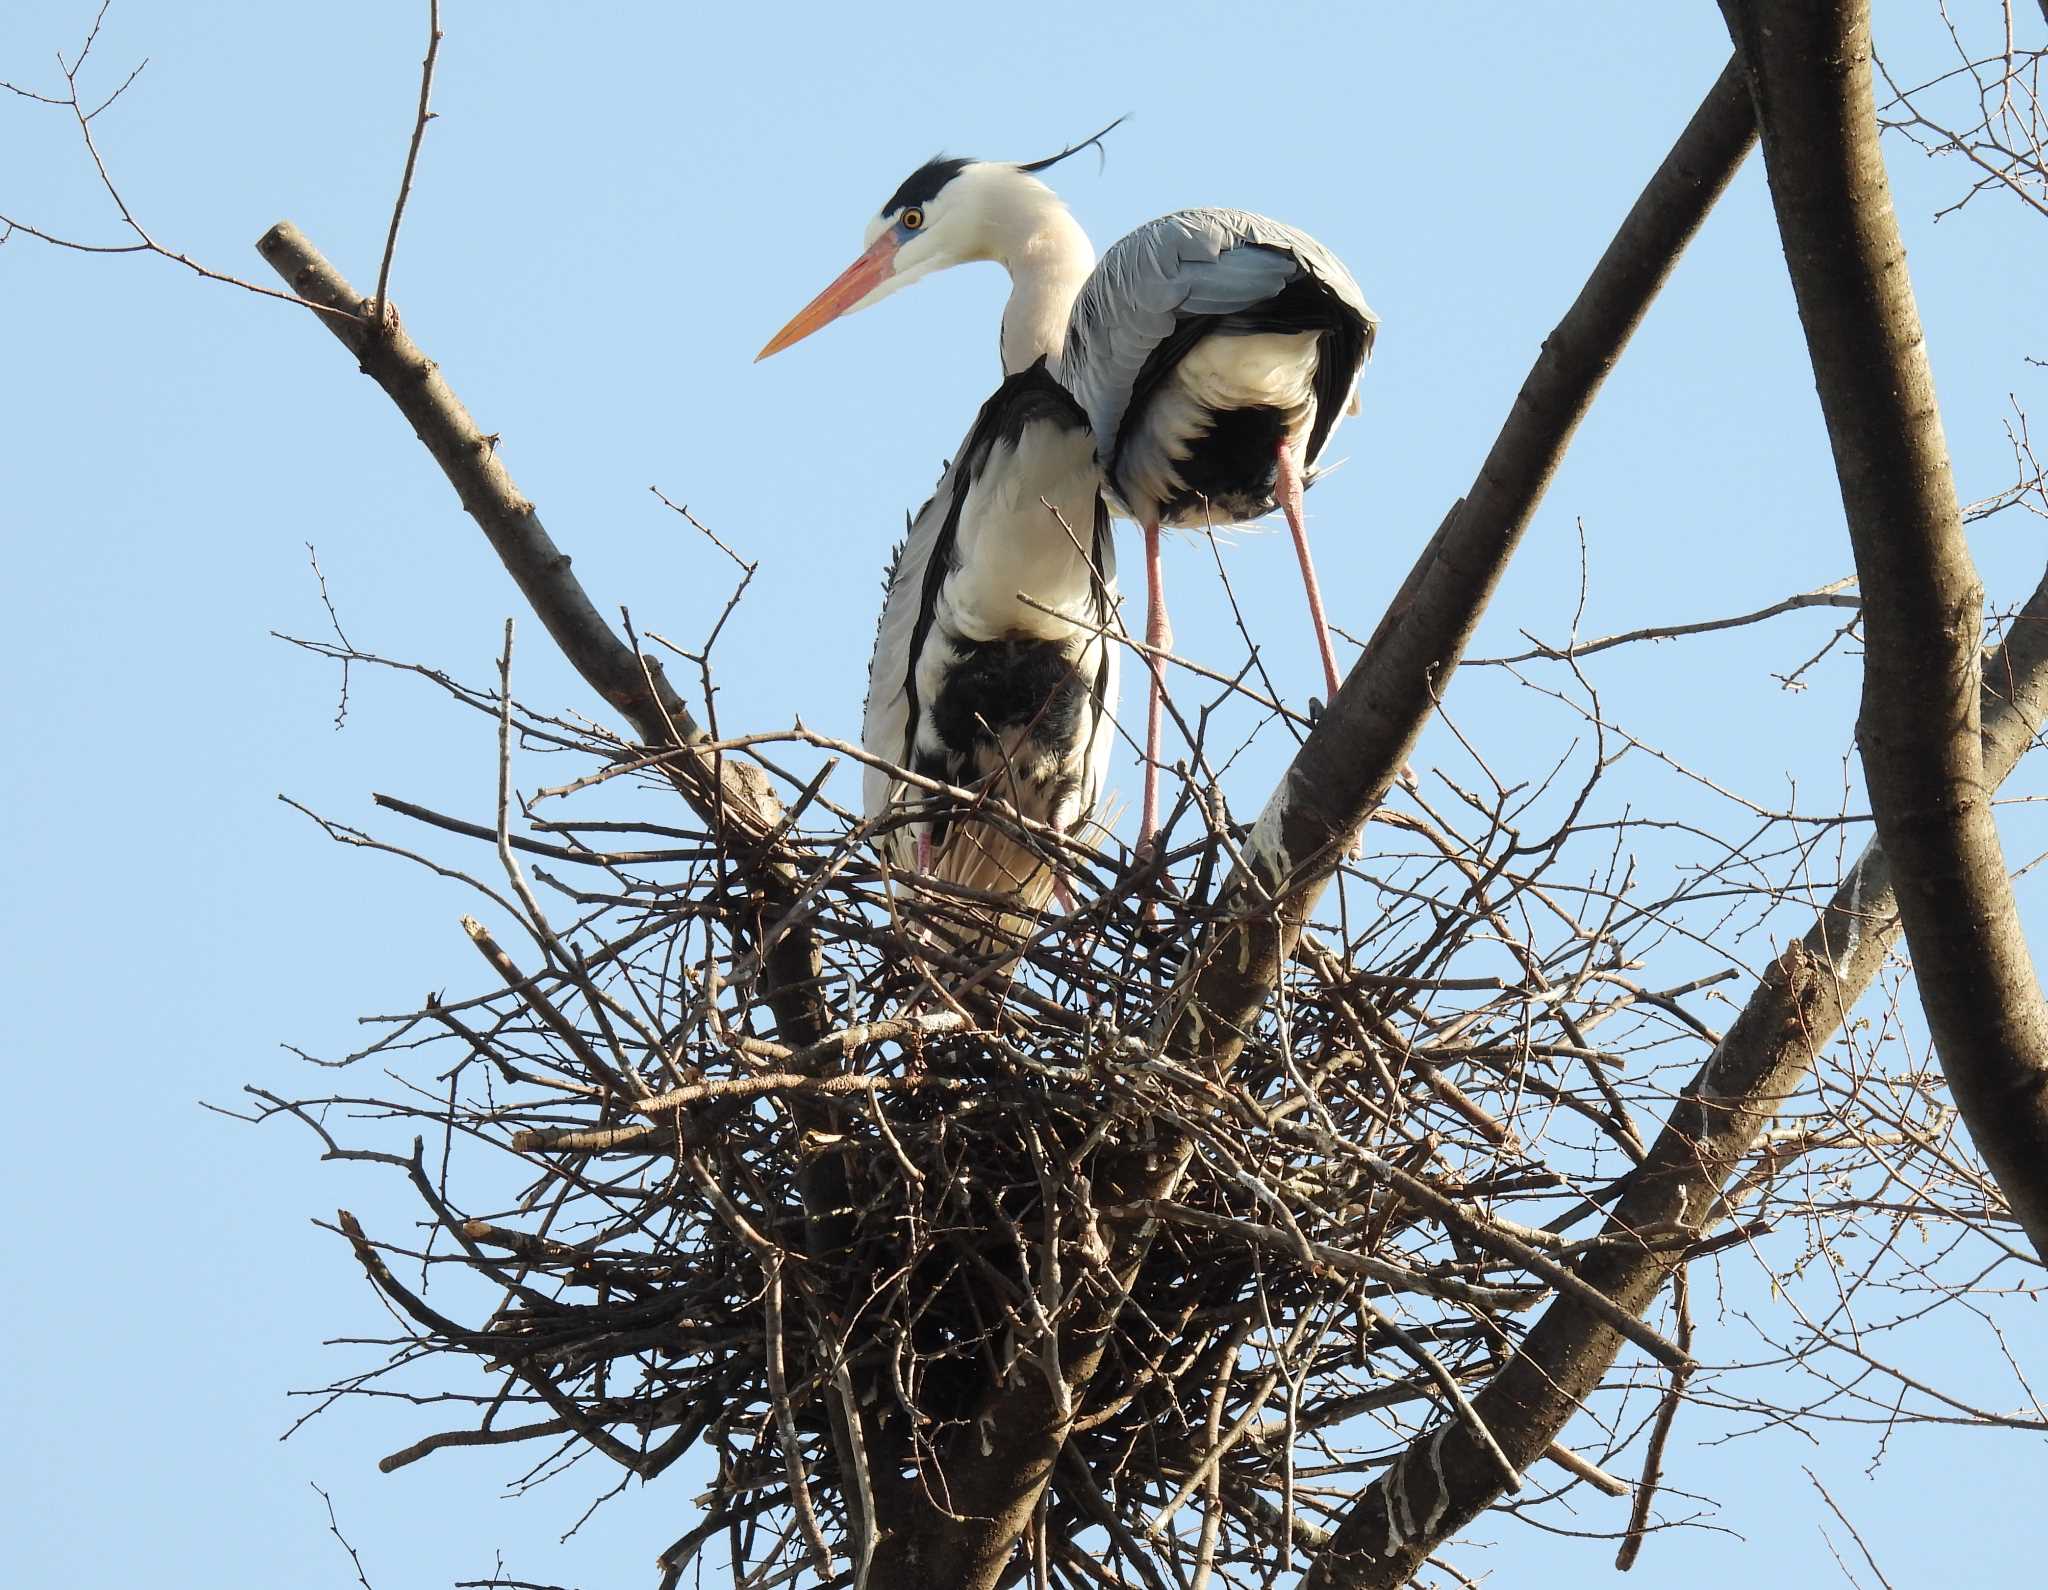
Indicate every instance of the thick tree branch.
{"type": "Point", "coordinates": [1809, 71]}
{"type": "Point", "coordinates": [1340, 774]}
{"type": "Point", "coordinates": [634, 685]}
{"type": "Point", "coordinates": [1444, 1480]}
{"type": "Point", "coordinates": [731, 794]}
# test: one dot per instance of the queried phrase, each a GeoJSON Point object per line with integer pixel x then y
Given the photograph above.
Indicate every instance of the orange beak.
{"type": "Point", "coordinates": [859, 279]}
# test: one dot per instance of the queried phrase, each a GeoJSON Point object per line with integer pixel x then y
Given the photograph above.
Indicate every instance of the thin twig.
{"type": "Point", "coordinates": [381, 300]}
{"type": "Point", "coordinates": [334, 1527]}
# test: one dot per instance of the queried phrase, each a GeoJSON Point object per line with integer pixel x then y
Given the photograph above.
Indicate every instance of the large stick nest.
{"type": "Point", "coordinates": [820, 1264]}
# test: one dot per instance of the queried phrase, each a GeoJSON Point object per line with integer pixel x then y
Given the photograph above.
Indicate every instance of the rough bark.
{"type": "Point", "coordinates": [1446, 1479]}
{"type": "Point", "coordinates": [1340, 774]}
{"type": "Point", "coordinates": [1809, 72]}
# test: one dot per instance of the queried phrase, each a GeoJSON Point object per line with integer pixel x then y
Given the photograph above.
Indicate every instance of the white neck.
{"type": "Point", "coordinates": [1022, 226]}
{"type": "Point", "coordinates": [1047, 268]}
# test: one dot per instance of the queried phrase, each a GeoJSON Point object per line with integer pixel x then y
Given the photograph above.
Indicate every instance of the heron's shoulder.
{"type": "Point", "coordinates": [1031, 397]}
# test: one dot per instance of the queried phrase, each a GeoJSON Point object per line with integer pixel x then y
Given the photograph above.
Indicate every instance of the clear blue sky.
{"type": "Point", "coordinates": [616, 207]}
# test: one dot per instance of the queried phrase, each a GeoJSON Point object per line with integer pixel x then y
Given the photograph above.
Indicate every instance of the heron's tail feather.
{"type": "Point", "coordinates": [990, 860]}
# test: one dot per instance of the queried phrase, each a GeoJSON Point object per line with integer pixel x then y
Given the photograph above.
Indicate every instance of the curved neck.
{"type": "Point", "coordinates": [1023, 227]}
{"type": "Point", "coordinates": [1046, 273]}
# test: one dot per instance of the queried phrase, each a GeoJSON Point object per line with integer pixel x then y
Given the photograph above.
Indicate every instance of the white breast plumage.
{"type": "Point", "coordinates": [992, 663]}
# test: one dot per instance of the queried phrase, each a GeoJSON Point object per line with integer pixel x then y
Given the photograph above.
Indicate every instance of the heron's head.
{"type": "Point", "coordinates": [948, 211]}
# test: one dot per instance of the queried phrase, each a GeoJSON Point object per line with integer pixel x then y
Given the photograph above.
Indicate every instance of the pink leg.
{"type": "Point", "coordinates": [924, 851]}
{"type": "Point", "coordinates": [1159, 636]}
{"type": "Point", "coordinates": [1288, 490]}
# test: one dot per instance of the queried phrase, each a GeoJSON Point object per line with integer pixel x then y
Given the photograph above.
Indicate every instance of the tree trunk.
{"type": "Point", "coordinates": [1809, 70]}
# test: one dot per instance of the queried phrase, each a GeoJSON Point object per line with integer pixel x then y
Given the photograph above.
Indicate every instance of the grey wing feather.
{"type": "Point", "coordinates": [1192, 262]}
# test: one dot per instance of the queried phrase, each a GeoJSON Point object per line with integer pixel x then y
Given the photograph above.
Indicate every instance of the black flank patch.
{"type": "Point", "coordinates": [1000, 684]}
{"type": "Point", "coordinates": [1238, 460]}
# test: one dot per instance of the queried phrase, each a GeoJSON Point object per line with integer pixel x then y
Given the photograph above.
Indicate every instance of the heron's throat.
{"type": "Point", "coordinates": [1048, 257]}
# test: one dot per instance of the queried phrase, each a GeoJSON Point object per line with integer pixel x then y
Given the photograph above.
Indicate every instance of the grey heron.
{"type": "Point", "coordinates": [1214, 352]}
{"type": "Point", "coordinates": [994, 668]}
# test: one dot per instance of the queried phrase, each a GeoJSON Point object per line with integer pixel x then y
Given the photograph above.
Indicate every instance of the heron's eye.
{"type": "Point", "coordinates": [911, 219]}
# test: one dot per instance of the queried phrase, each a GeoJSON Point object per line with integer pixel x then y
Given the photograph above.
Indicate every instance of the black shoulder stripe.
{"type": "Point", "coordinates": [1031, 396]}
{"type": "Point", "coordinates": [1175, 346]}
{"type": "Point", "coordinates": [1306, 304]}
{"type": "Point", "coordinates": [1104, 549]}
{"type": "Point", "coordinates": [1102, 553]}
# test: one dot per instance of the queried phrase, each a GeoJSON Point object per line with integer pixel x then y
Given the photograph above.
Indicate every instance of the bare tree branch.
{"type": "Point", "coordinates": [1442, 1482]}
{"type": "Point", "coordinates": [729, 792]}
{"type": "Point", "coordinates": [1835, 1508]}
{"type": "Point", "coordinates": [1831, 595]}
{"type": "Point", "coordinates": [635, 686]}
{"type": "Point", "coordinates": [82, 119]}
{"type": "Point", "coordinates": [334, 1525]}
{"type": "Point", "coordinates": [1918, 730]}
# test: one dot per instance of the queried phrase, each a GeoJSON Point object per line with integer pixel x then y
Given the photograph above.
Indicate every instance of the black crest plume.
{"type": "Point", "coordinates": [1094, 141]}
